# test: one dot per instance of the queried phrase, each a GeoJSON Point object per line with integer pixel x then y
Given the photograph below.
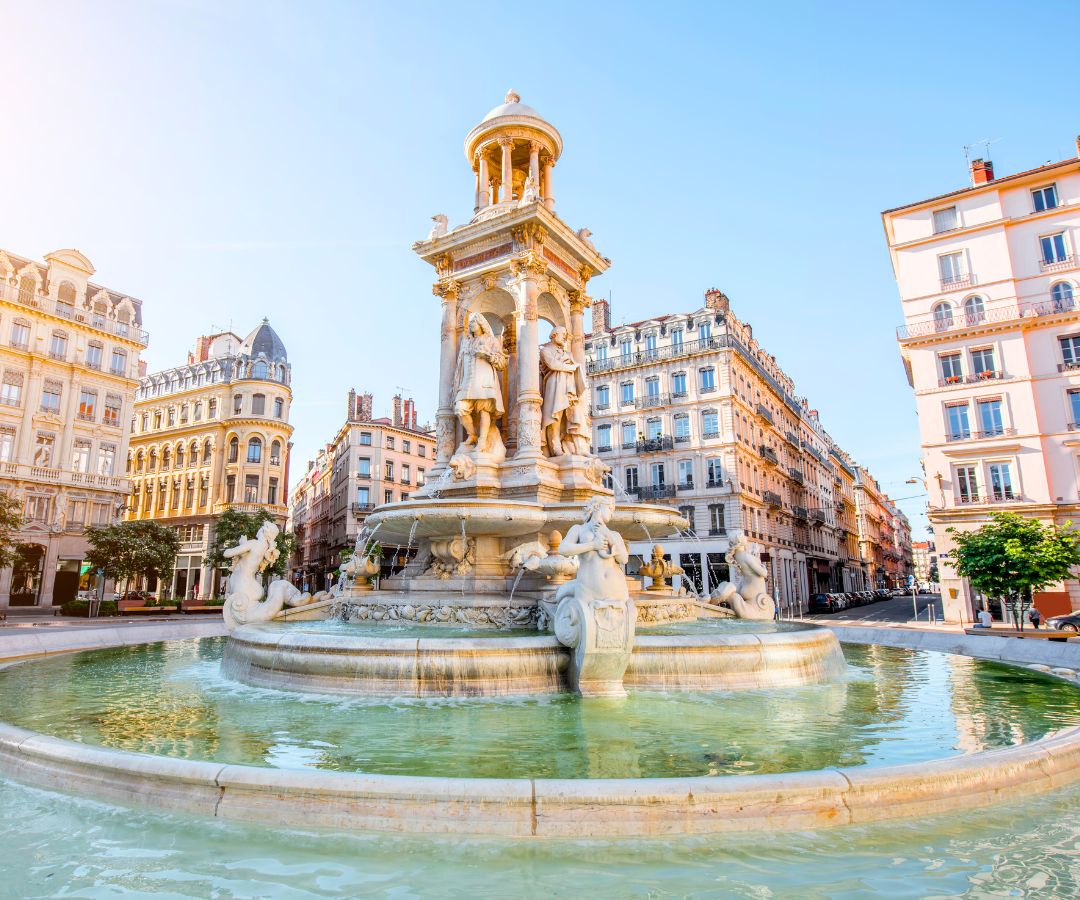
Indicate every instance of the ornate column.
{"type": "Point", "coordinates": [484, 187]}
{"type": "Point", "coordinates": [510, 348]}
{"type": "Point", "coordinates": [507, 145]}
{"type": "Point", "coordinates": [578, 304]}
{"type": "Point", "coordinates": [530, 396]}
{"type": "Point", "coordinates": [63, 460]}
{"type": "Point", "coordinates": [446, 420]}
{"type": "Point", "coordinates": [549, 190]}
{"type": "Point", "coordinates": [534, 163]}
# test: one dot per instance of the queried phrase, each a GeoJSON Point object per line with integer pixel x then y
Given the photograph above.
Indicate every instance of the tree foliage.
{"type": "Point", "coordinates": [233, 526]}
{"type": "Point", "coordinates": [130, 549]}
{"type": "Point", "coordinates": [1011, 556]}
{"type": "Point", "coordinates": [11, 521]}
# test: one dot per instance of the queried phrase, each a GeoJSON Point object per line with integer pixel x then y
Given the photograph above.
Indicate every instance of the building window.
{"type": "Point", "coordinates": [7, 443]}
{"type": "Point", "coordinates": [171, 415]}
{"type": "Point", "coordinates": [254, 450]}
{"type": "Point", "coordinates": [211, 409]}
{"type": "Point", "coordinates": [11, 388]}
{"type": "Point", "coordinates": [279, 408]}
{"type": "Point", "coordinates": [717, 522]}
{"type": "Point", "coordinates": [601, 352]}
{"type": "Point", "coordinates": [87, 404]}
{"type": "Point", "coordinates": [1044, 198]}
{"type": "Point", "coordinates": [176, 487]}
{"type": "Point", "coordinates": [388, 496]}
{"type": "Point", "coordinates": [363, 496]}
{"type": "Point", "coordinates": [119, 361]}
{"type": "Point", "coordinates": [959, 427]}
{"type": "Point", "coordinates": [658, 470]}
{"type": "Point", "coordinates": [234, 450]}
{"type": "Point", "coordinates": [650, 346]}
{"type": "Point", "coordinates": [1070, 351]}
{"type": "Point", "coordinates": [275, 453]}
{"type": "Point", "coordinates": [421, 474]}
{"type": "Point", "coordinates": [93, 355]}
{"type": "Point", "coordinates": [20, 335]}
{"type": "Point", "coordinates": [967, 484]}
{"type": "Point", "coordinates": [365, 438]}
{"type": "Point", "coordinates": [106, 459]}
{"type": "Point", "coordinates": [974, 310]}
{"type": "Point", "coordinates": [406, 473]}
{"type": "Point", "coordinates": [677, 338]}
{"type": "Point", "coordinates": [678, 384]}
{"type": "Point", "coordinates": [950, 265]}
{"type": "Point", "coordinates": [259, 371]}
{"type": "Point", "coordinates": [43, 449]}
{"type": "Point", "coordinates": [629, 435]}
{"type": "Point", "coordinates": [714, 472]}
{"type": "Point", "coordinates": [943, 317]}
{"type": "Point", "coordinates": [189, 494]}
{"type": "Point", "coordinates": [166, 459]}
{"type": "Point", "coordinates": [704, 332]}
{"type": "Point", "coordinates": [603, 437]}
{"type": "Point", "coordinates": [687, 512]}
{"type": "Point", "coordinates": [626, 347]}
{"type": "Point", "coordinates": [603, 397]}
{"type": "Point", "coordinates": [421, 450]}
{"type": "Point", "coordinates": [982, 362]}
{"type": "Point", "coordinates": [363, 467]}
{"type": "Point", "coordinates": [389, 442]}
{"type": "Point", "coordinates": [653, 429]}
{"type": "Point", "coordinates": [80, 456]}
{"type": "Point", "coordinates": [990, 423]}
{"type": "Point", "coordinates": [197, 411]}
{"type": "Point", "coordinates": [180, 457]}
{"type": "Point", "coordinates": [652, 389]}
{"type": "Point", "coordinates": [710, 423]}
{"type": "Point", "coordinates": [945, 219]}
{"type": "Point", "coordinates": [1074, 409]}
{"type": "Point", "coordinates": [707, 379]}
{"type": "Point", "coordinates": [1001, 482]}
{"type": "Point", "coordinates": [271, 492]}
{"type": "Point", "coordinates": [951, 371]}
{"type": "Point", "coordinates": [251, 488]}
{"type": "Point", "coordinates": [237, 404]}
{"type": "Point", "coordinates": [50, 397]}
{"type": "Point", "coordinates": [388, 470]}
{"type": "Point", "coordinates": [183, 413]}
{"type": "Point", "coordinates": [204, 491]}
{"type": "Point", "coordinates": [258, 404]}
{"type": "Point", "coordinates": [37, 509]}
{"type": "Point", "coordinates": [1053, 248]}
{"type": "Point", "coordinates": [58, 345]}
{"type": "Point", "coordinates": [686, 473]}
{"type": "Point", "coordinates": [682, 427]}
{"type": "Point", "coordinates": [1062, 295]}
{"type": "Point", "coordinates": [113, 405]}
{"type": "Point", "coordinates": [631, 479]}
{"type": "Point", "coordinates": [626, 393]}
{"type": "Point", "coordinates": [230, 488]}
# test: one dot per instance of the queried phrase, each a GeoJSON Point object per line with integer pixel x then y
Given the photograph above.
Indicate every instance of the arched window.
{"type": "Point", "coordinates": [254, 450]}
{"type": "Point", "coordinates": [166, 458]}
{"type": "Point", "coordinates": [234, 450]}
{"type": "Point", "coordinates": [1062, 295]}
{"type": "Point", "coordinates": [207, 452]}
{"type": "Point", "coordinates": [974, 310]}
{"type": "Point", "coordinates": [139, 462]}
{"type": "Point", "coordinates": [259, 371]}
{"type": "Point", "coordinates": [180, 457]}
{"type": "Point", "coordinates": [152, 465]}
{"type": "Point", "coordinates": [943, 317]}
{"type": "Point", "coordinates": [193, 455]}
{"type": "Point", "coordinates": [275, 453]}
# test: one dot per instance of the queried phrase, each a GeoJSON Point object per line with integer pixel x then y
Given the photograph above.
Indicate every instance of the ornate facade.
{"type": "Point", "coordinates": [69, 354]}
{"type": "Point", "coordinates": [211, 435]}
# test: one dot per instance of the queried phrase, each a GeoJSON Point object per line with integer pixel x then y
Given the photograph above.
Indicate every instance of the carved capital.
{"type": "Point", "coordinates": [585, 273]}
{"type": "Point", "coordinates": [448, 289]}
{"type": "Point", "coordinates": [535, 146]}
{"type": "Point", "coordinates": [520, 234]}
{"type": "Point", "coordinates": [506, 142]}
{"type": "Point", "coordinates": [489, 280]}
{"type": "Point", "coordinates": [533, 263]}
{"type": "Point", "coordinates": [579, 302]}
{"type": "Point", "coordinates": [443, 262]}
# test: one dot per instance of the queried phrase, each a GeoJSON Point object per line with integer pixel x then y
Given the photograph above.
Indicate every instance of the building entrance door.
{"type": "Point", "coordinates": [26, 574]}
{"type": "Point", "coordinates": [66, 584]}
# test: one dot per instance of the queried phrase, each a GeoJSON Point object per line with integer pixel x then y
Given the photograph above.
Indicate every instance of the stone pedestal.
{"type": "Point", "coordinates": [601, 635]}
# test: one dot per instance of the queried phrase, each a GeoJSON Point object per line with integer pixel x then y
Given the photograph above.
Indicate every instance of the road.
{"type": "Point", "coordinates": [895, 609]}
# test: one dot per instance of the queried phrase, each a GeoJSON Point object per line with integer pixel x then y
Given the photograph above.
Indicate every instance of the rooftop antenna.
{"type": "Point", "coordinates": [985, 143]}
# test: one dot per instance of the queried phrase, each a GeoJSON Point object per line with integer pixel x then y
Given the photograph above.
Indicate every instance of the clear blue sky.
{"type": "Point", "coordinates": [225, 161]}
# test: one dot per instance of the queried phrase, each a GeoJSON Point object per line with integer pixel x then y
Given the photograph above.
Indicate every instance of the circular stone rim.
{"type": "Point", "coordinates": [533, 807]}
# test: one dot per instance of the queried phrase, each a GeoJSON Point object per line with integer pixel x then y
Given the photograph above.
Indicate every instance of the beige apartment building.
{"type": "Point", "coordinates": [207, 436]}
{"type": "Point", "coordinates": [369, 462]}
{"type": "Point", "coordinates": [688, 409]}
{"type": "Point", "coordinates": [69, 353]}
{"type": "Point", "coordinates": [988, 280]}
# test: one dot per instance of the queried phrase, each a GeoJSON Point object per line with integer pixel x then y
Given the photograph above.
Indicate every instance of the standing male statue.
{"type": "Point", "coordinates": [564, 423]}
{"type": "Point", "coordinates": [478, 398]}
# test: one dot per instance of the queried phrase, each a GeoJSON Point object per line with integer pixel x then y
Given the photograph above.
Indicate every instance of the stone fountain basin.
{"type": "Point", "coordinates": [429, 518]}
{"type": "Point", "coordinates": [295, 658]}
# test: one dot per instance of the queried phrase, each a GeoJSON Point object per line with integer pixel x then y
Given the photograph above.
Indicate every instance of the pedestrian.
{"type": "Point", "coordinates": [1034, 617]}
{"type": "Point", "coordinates": [985, 619]}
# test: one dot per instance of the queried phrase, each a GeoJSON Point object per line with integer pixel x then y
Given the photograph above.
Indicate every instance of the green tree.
{"type": "Point", "coordinates": [934, 577]}
{"type": "Point", "coordinates": [11, 521]}
{"type": "Point", "coordinates": [232, 526]}
{"type": "Point", "coordinates": [1011, 556]}
{"type": "Point", "coordinates": [130, 549]}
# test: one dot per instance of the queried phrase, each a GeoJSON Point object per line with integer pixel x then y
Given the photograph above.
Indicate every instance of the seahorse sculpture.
{"type": "Point", "coordinates": [750, 598]}
{"type": "Point", "coordinates": [244, 603]}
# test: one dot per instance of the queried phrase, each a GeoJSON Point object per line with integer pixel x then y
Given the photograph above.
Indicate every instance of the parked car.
{"type": "Point", "coordinates": [1069, 622]}
{"type": "Point", "coordinates": [854, 599]}
{"type": "Point", "coordinates": [822, 603]}
{"type": "Point", "coordinates": [841, 601]}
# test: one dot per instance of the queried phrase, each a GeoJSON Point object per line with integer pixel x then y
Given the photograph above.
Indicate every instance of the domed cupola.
{"type": "Point", "coordinates": [264, 341]}
{"type": "Point", "coordinates": [512, 151]}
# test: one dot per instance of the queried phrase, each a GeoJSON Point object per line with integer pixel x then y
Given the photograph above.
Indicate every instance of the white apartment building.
{"type": "Point", "coordinates": [991, 342]}
{"type": "Point", "coordinates": [689, 409]}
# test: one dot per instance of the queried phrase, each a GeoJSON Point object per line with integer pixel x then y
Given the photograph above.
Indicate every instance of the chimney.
{"type": "Point", "coordinates": [982, 172]}
{"type": "Point", "coordinates": [601, 316]}
{"type": "Point", "coordinates": [351, 415]}
{"type": "Point", "coordinates": [363, 407]}
{"type": "Point", "coordinates": [409, 415]}
{"type": "Point", "coordinates": [1078, 145]}
{"type": "Point", "coordinates": [397, 410]}
{"type": "Point", "coordinates": [715, 299]}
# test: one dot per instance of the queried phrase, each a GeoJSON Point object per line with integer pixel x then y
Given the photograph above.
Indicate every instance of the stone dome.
{"type": "Point", "coordinates": [512, 106]}
{"type": "Point", "coordinates": [517, 120]}
{"type": "Point", "coordinates": [264, 340]}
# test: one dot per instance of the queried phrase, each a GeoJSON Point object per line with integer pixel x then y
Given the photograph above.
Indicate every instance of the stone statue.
{"type": "Point", "coordinates": [565, 425]}
{"type": "Point", "coordinates": [250, 557]}
{"type": "Point", "coordinates": [750, 599]}
{"type": "Point", "coordinates": [595, 616]}
{"type": "Point", "coordinates": [585, 234]}
{"type": "Point", "coordinates": [439, 228]}
{"type": "Point", "coordinates": [529, 192]}
{"type": "Point", "coordinates": [659, 569]}
{"type": "Point", "coordinates": [478, 399]}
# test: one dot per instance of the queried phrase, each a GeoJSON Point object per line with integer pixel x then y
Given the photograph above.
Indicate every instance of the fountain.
{"type": "Point", "coordinates": [512, 680]}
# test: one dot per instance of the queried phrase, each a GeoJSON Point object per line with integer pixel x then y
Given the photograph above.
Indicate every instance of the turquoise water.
{"type": "Point", "coordinates": [52, 845]}
{"type": "Point", "coordinates": [896, 706]}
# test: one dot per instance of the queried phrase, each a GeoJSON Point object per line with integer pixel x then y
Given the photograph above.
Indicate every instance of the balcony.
{"type": "Point", "coordinates": [769, 455]}
{"type": "Point", "coordinates": [980, 435]}
{"type": "Point", "coordinates": [817, 515]}
{"type": "Point", "coordinates": [628, 445]}
{"type": "Point", "coordinates": [652, 401]}
{"type": "Point", "coordinates": [644, 357]}
{"type": "Point", "coordinates": [773, 499]}
{"type": "Point", "coordinates": [975, 500]}
{"type": "Point", "coordinates": [682, 439]}
{"type": "Point", "coordinates": [685, 485]}
{"type": "Point", "coordinates": [955, 282]}
{"type": "Point", "coordinates": [714, 483]}
{"type": "Point", "coordinates": [1069, 366]}
{"type": "Point", "coordinates": [12, 294]}
{"type": "Point", "coordinates": [800, 513]}
{"type": "Point", "coordinates": [361, 509]}
{"type": "Point", "coordinates": [1005, 312]}
{"type": "Point", "coordinates": [604, 448]}
{"type": "Point", "coordinates": [814, 452]}
{"type": "Point", "coordinates": [599, 409]}
{"type": "Point", "coordinates": [973, 378]}
{"type": "Point", "coordinates": [792, 439]}
{"type": "Point", "coordinates": [1057, 265]}
{"type": "Point", "coordinates": [654, 445]}
{"type": "Point", "coordinates": [796, 476]}
{"type": "Point", "coordinates": [717, 532]}
{"type": "Point", "coordinates": [765, 413]}
{"type": "Point", "coordinates": [709, 435]}
{"type": "Point", "coordinates": [656, 492]}
{"type": "Point", "coordinates": [364, 476]}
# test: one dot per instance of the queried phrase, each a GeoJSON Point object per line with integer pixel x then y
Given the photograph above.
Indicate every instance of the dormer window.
{"type": "Point", "coordinates": [945, 220]}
